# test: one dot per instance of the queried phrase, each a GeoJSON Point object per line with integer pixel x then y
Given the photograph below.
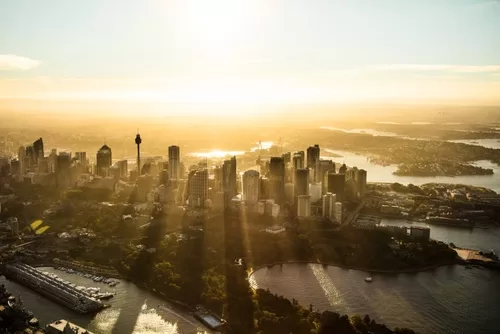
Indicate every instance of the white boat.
{"type": "Point", "coordinates": [369, 279]}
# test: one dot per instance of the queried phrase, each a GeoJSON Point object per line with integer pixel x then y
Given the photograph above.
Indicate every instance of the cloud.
{"type": "Point", "coordinates": [13, 62]}
{"type": "Point", "coordinates": [438, 68]}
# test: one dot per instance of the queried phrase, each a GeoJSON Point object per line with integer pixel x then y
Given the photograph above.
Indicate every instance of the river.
{"type": "Point", "coordinates": [133, 310]}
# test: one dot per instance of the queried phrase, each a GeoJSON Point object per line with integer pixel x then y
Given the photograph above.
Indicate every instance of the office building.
{"type": "Point", "coordinates": [43, 165]}
{"type": "Point", "coordinates": [336, 185]}
{"type": "Point", "coordinates": [82, 158]}
{"type": "Point", "coordinates": [343, 169]}
{"type": "Point", "coordinates": [361, 183]}
{"type": "Point", "coordinates": [301, 182]}
{"type": "Point", "coordinates": [329, 201]}
{"type": "Point", "coordinates": [229, 178]}
{"type": "Point", "coordinates": [198, 188]}
{"type": "Point", "coordinates": [338, 212]}
{"type": "Point", "coordinates": [251, 186]}
{"type": "Point", "coordinates": [264, 188]}
{"type": "Point", "coordinates": [303, 206]}
{"type": "Point", "coordinates": [287, 157]}
{"type": "Point", "coordinates": [351, 184]}
{"type": "Point", "coordinates": [123, 167]}
{"type": "Point", "coordinates": [30, 158]}
{"type": "Point", "coordinates": [63, 173]}
{"type": "Point", "coordinates": [315, 191]}
{"type": "Point", "coordinates": [174, 162]}
{"type": "Point", "coordinates": [38, 150]}
{"type": "Point", "coordinates": [313, 153]}
{"type": "Point", "coordinates": [144, 187]}
{"type": "Point", "coordinates": [52, 161]}
{"type": "Point", "coordinates": [324, 167]}
{"type": "Point", "coordinates": [103, 160]}
{"type": "Point", "coordinates": [277, 179]}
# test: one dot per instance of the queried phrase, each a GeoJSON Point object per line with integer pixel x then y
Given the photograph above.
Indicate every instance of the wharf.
{"type": "Point", "coordinates": [53, 288]}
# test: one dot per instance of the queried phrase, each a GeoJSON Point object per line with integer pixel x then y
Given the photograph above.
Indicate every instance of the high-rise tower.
{"type": "Point", "coordinates": [138, 142]}
{"type": "Point", "coordinates": [174, 162]}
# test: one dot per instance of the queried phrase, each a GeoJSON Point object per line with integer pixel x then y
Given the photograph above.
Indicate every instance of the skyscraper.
{"type": "Point", "coordinates": [313, 156]}
{"type": "Point", "coordinates": [103, 160]}
{"type": "Point", "coordinates": [329, 201]}
{"type": "Point", "coordinates": [198, 187]}
{"type": "Point", "coordinates": [63, 175]}
{"type": "Point", "coordinates": [38, 149]}
{"type": "Point", "coordinates": [138, 142]}
{"type": "Point", "coordinates": [324, 167]}
{"type": "Point", "coordinates": [30, 160]}
{"type": "Point", "coordinates": [277, 179]}
{"type": "Point", "coordinates": [82, 158]}
{"type": "Point", "coordinates": [174, 162]}
{"type": "Point", "coordinates": [229, 178]}
{"type": "Point", "coordinates": [251, 186]}
{"type": "Point", "coordinates": [361, 183]}
{"type": "Point", "coordinates": [336, 185]}
{"type": "Point", "coordinates": [123, 167]}
{"type": "Point", "coordinates": [343, 169]}
{"type": "Point", "coordinates": [301, 182]}
{"type": "Point", "coordinates": [287, 157]}
{"type": "Point", "coordinates": [304, 206]}
{"type": "Point", "coordinates": [297, 161]}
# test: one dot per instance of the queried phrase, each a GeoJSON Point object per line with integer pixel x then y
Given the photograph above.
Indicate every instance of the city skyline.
{"type": "Point", "coordinates": [256, 53]}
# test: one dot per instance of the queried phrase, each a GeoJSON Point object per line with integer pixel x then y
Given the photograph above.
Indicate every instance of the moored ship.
{"type": "Point", "coordinates": [52, 288]}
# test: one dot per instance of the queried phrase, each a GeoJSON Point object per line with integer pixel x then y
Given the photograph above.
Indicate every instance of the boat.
{"type": "Point", "coordinates": [468, 266]}
{"type": "Point", "coordinates": [369, 279]}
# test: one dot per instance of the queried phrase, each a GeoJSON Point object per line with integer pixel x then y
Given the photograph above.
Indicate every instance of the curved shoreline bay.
{"type": "Point", "coordinates": [447, 299]}
{"type": "Point", "coordinates": [366, 270]}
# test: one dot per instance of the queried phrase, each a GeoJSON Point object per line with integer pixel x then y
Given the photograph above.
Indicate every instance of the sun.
{"type": "Point", "coordinates": [217, 26]}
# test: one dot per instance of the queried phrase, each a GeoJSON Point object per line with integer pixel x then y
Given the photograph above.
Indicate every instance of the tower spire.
{"type": "Point", "coordinates": [138, 142]}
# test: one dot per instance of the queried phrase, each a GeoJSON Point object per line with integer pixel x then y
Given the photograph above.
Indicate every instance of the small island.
{"type": "Point", "coordinates": [440, 169]}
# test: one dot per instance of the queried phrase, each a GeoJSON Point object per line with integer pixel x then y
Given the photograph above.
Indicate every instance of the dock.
{"type": "Point", "coordinates": [53, 288]}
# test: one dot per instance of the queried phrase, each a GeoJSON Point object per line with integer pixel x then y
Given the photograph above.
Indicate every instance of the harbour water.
{"type": "Point", "coordinates": [450, 299]}
{"type": "Point", "coordinates": [378, 173]}
{"type": "Point", "coordinates": [133, 310]}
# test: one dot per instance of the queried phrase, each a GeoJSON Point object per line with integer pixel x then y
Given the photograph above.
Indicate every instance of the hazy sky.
{"type": "Point", "coordinates": [251, 51]}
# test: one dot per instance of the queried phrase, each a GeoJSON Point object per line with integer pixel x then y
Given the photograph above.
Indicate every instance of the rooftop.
{"type": "Point", "coordinates": [64, 326]}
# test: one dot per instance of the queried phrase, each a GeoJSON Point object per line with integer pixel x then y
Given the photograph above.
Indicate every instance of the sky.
{"type": "Point", "coordinates": [251, 51]}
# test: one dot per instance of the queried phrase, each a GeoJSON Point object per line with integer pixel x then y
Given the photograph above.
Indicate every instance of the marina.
{"type": "Point", "coordinates": [51, 286]}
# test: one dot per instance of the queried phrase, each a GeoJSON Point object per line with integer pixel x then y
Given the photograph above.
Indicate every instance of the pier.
{"type": "Point", "coordinates": [53, 288]}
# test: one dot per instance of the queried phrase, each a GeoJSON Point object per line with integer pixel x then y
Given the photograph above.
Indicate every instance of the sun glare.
{"type": "Point", "coordinates": [217, 26]}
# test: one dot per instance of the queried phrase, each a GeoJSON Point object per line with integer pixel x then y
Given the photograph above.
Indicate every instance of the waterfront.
{"type": "Point", "coordinates": [475, 238]}
{"type": "Point", "coordinates": [378, 173]}
{"type": "Point", "coordinates": [133, 310]}
{"type": "Point", "coordinates": [449, 299]}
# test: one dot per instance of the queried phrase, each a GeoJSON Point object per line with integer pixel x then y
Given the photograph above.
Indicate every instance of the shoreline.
{"type": "Point", "coordinates": [367, 270]}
